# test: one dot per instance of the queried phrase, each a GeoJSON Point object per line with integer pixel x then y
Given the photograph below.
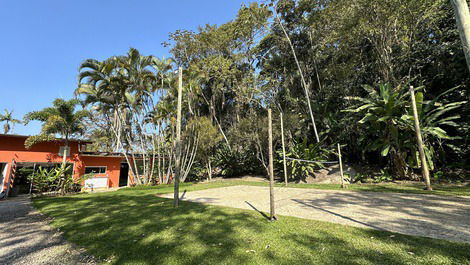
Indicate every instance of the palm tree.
{"type": "Point", "coordinates": [60, 119]}
{"type": "Point", "coordinates": [122, 87]}
{"type": "Point", "coordinates": [8, 118]}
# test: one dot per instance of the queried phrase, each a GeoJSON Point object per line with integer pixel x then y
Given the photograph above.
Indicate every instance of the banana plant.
{"type": "Point", "coordinates": [387, 113]}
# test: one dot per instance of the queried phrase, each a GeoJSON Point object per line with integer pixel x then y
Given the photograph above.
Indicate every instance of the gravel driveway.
{"type": "Point", "coordinates": [26, 237]}
{"type": "Point", "coordinates": [423, 215]}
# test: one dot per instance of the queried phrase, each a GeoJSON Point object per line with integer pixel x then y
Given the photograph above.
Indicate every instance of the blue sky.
{"type": "Point", "coordinates": [43, 41]}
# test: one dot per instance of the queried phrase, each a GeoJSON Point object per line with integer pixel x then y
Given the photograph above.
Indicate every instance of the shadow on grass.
{"type": "Point", "coordinates": [134, 226]}
{"type": "Point", "coordinates": [147, 229]}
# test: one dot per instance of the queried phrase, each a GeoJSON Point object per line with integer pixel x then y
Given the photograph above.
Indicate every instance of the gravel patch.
{"type": "Point", "coordinates": [26, 237]}
{"type": "Point", "coordinates": [413, 214]}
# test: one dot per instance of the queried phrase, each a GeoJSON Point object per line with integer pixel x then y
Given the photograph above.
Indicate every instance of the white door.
{"type": "Point", "coordinates": [3, 172]}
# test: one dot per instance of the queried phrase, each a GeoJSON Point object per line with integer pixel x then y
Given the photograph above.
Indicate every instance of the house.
{"type": "Point", "coordinates": [109, 169]}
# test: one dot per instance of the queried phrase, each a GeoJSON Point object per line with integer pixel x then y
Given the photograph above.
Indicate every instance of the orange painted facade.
{"type": "Point", "coordinates": [12, 149]}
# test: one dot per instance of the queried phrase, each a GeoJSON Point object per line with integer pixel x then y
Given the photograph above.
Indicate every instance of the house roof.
{"type": "Point", "coordinates": [57, 139]}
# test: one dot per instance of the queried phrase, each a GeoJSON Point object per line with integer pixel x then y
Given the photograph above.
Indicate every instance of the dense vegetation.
{"type": "Point", "coordinates": [339, 71]}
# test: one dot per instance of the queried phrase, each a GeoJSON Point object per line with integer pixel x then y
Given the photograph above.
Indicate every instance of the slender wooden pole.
{"type": "Point", "coordinates": [178, 137]}
{"type": "Point", "coordinates": [341, 167]}
{"type": "Point", "coordinates": [283, 150]}
{"type": "Point", "coordinates": [32, 179]}
{"type": "Point", "coordinates": [462, 16]}
{"type": "Point", "coordinates": [271, 167]}
{"type": "Point", "coordinates": [419, 139]}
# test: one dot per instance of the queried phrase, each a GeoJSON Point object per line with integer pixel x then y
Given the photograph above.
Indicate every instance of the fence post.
{"type": "Point", "coordinates": [271, 169]}
{"type": "Point", "coordinates": [178, 138]}
{"type": "Point", "coordinates": [341, 167]}
{"type": "Point", "coordinates": [283, 150]}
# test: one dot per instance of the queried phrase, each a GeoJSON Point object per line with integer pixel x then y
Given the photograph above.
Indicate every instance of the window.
{"type": "Point", "coordinates": [95, 170]}
{"type": "Point", "coordinates": [66, 149]}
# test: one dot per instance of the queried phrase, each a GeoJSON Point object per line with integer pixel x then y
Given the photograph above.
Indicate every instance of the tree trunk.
{"type": "Point", "coordinates": [209, 169]}
{"type": "Point", "coordinates": [64, 163]}
{"type": "Point", "coordinates": [424, 164]}
{"type": "Point", "coordinates": [462, 16]}
{"type": "Point", "coordinates": [304, 83]}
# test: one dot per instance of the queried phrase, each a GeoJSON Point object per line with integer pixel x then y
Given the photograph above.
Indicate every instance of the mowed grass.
{"type": "Point", "coordinates": [134, 226]}
{"type": "Point", "coordinates": [410, 187]}
{"type": "Point", "coordinates": [414, 188]}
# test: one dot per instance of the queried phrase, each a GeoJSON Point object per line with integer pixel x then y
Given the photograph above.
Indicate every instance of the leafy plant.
{"type": "Point", "coordinates": [303, 151]}
{"type": "Point", "coordinates": [388, 115]}
{"type": "Point", "coordinates": [58, 178]}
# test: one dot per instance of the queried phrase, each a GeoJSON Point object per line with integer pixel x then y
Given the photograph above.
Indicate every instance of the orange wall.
{"type": "Point", "coordinates": [112, 164]}
{"type": "Point", "coordinates": [12, 147]}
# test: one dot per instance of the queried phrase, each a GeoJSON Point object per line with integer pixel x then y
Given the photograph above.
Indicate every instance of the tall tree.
{"type": "Point", "coordinates": [462, 16]}
{"type": "Point", "coordinates": [60, 119]}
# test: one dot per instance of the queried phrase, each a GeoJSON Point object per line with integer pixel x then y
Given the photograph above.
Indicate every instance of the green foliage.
{"type": "Point", "coordinates": [208, 135]}
{"type": "Point", "coordinates": [388, 116]}
{"type": "Point", "coordinates": [234, 71]}
{"type": "Point", "coordinates": [60, 119]}
{"type": "Point", "coordinates": [55, 179]}
{"type": "Point", "coordinates": [234, 163]}
{"type": "Point", "coordinates": [303, 150]}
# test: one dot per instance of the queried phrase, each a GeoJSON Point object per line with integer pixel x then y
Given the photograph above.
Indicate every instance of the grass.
{"type": "Point", "coordinates": [133, 226]}
{"type": "Point", "coordinates": [410, 187]}
{"type": "Point", "coordinates": [414, 188]}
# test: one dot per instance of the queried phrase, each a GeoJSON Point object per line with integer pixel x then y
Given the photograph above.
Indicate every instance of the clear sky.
{"type": "Point", "coordinates": [42, 42]}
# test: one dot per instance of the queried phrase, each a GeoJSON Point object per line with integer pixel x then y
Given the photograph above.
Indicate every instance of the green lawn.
{"type": "Point", "coordinates": [415, 188]}
{"type": "Point", "coordinates": [411, 187]}
{"type": "Point", "coordinates": [133, 226]}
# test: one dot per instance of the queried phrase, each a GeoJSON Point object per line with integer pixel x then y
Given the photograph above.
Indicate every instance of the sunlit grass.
{"type": "Point", "coordinates": [134, 226]}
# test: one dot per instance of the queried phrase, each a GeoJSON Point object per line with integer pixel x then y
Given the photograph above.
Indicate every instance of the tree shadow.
{"type": "Point", "coordinates": [135, 226]}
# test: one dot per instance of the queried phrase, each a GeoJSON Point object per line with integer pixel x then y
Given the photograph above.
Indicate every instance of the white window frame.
{"type": "Point", "coordinates": [105, 169]}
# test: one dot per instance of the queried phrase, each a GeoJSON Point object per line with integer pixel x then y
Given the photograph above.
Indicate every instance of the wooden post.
{"type": "Point", "coordinates": [462, 16]}
{"type": "Point", "coordinates": [178, 137]}
{"type": "Point", "coordinates": [283, 150]}
{"type": "Point", "coordinates": [31, 184]}
{"type": "Point", "coordinates": [341, 167]}
{"type": "Point", "coordinates": [271, 167]}
{"type": "Point", "coordinates": [419, 139]}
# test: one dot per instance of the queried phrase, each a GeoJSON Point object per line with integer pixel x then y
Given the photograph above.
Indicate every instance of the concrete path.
{"type": "Point", "coordinates": [413, 214]}
{"type": "Point", "coordinates": [26, 238]}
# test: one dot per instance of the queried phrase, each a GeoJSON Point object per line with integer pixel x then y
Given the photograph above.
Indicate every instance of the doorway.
{"type": "Point", "coordinates": [123, 174]}
{"type": "Point", "coordinates": [3, 173]}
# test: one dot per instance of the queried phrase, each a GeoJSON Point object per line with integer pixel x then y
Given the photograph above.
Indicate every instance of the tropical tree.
{"type": "Point", "coordinates": [9, 121]}
{"type": "Point", "coordinates": [60, 119]}
{"type": "Point", "coordinates": [387, 114]}
{"type": "Point", "coordinates": [123, 88]}
{"type": "Point", "coordinates": [209, 137]}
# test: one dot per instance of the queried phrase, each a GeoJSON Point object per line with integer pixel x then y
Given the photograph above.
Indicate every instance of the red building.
{"type": "Point", "coordinates": [108, 167]}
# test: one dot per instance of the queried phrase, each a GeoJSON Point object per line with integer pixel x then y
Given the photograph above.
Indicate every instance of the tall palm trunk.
{"type": "Point", "coordinates": [462, 15]}
{"type": "Point", "coordinates": [64, 163]}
